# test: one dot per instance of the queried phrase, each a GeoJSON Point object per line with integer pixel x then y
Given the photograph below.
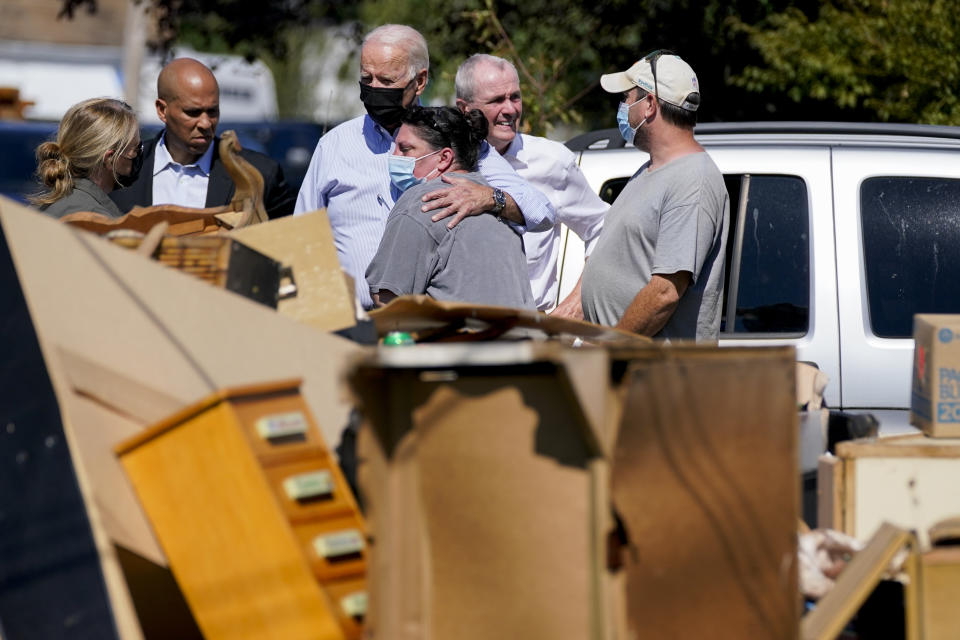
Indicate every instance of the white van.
{"type": "Point", "coordinates": [839, 234]}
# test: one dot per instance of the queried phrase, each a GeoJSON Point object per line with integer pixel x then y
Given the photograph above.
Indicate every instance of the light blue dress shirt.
{"type": "Point", "coordinates": [183, 185]}
{"type": "Point", "coordinates": [348, 176]}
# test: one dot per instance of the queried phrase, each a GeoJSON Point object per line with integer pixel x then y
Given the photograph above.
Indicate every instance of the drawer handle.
{"type": "Point", "coordinates": [333, 546]}
{"type": "Point", "coordinates": [354, 605]}
{"type": "Point", "coordinates": [282, 426]}
{"type": "Point", "coordinates": [306, 486]}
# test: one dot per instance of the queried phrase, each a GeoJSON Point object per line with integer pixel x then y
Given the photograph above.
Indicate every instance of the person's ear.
{"type": "Point", "coordinates": [463, 105]}
{"type": "Point", "coordinates": [161, 110]}
{"type": "Point", "coordinates": [446, 159]}
{"type": "Point", "coordinates": [652, 107]}
{"type": "Point", "coordinates": [109, 159]}
{"type": "Point", "coordinates": [421, 81]}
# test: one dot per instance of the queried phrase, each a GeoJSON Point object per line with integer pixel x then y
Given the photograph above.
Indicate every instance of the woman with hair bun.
{"type": "Point", "coordinates": [97, 147]}
{"type": "Point", "coordinates": [481, 259]}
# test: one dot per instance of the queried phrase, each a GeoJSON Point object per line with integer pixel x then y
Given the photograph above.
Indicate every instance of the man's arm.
{"type": "Point", "coordinates": [652, 307]}
{"type": "Point", "coordinates": [527, 208]}
{"type": "Point", "coordinates": [571, 306]}
{"type": "Point", "coordinates": [467, 198]}
{"type": "Point", "coordinates": [311, 195]}
{"type": "Point", "coordinates": [278, 198]}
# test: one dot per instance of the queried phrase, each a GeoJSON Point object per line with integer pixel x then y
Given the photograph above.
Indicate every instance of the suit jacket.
{"type": "Point", "coordinates": [278, 199]}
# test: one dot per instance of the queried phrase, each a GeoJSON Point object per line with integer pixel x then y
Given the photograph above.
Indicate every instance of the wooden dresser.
{"type": "Point", "coordinates": [259, 526]}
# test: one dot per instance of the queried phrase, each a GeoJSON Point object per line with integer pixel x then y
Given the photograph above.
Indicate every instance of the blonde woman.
{"type": "Point", "coordinates": [98, 146]}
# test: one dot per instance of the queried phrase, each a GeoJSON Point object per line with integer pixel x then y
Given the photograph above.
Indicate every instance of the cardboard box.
{"type": "Point", "coordinates": [484, 480]}
{"type": "Point", "coordinates": [935, 401]}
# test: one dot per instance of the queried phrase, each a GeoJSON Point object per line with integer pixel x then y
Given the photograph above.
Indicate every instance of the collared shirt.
{"type": "Point", "coordinates": [552, 168]}
{"type": "Point", "coordinates": [183, 185]}
{"type": "Point", "coordinates": [348, 176]}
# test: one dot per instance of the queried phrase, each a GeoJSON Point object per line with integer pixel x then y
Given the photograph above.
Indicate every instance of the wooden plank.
{"type": "Point", "coordinates": [706, 482]}
{"type": "Point", "coordinates": [905, 446]}
{"type": "Point", "coordinates": [830, 493]}
{"type": "Point", "coordinates": [857, 581]}
{"type": "Point", "coordinates": [940, 570]}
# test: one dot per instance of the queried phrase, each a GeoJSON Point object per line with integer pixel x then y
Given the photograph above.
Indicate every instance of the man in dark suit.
{"type": "Point", "coordinates": [182, 164]}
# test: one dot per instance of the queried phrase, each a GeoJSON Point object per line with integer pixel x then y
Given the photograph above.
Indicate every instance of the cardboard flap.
{"type": "Point", "coordinates": [117, 392]}
{"type": "Point", "coordinates": [810, 385]}
{"type": "Point", "coordinates": [305, 243]}
{"type": "Point", "coordinates": [584, 373]}
{"type": "Point", "coordinates": [125, 338]}
{"type": "Point", "coordinates": [425, 315]}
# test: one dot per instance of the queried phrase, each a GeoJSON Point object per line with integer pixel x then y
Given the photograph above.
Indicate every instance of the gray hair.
{"type": "Point", "coordinates": [406, 38]}
{"type": "Point", "coordinates": [465, 81]}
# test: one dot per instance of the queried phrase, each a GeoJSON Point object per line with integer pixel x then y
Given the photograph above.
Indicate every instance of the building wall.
{"type": "Point", "coordinates": [36, 21]}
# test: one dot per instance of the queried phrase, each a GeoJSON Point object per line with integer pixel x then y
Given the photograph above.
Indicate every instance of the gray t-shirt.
{"type": "Point", "coordinates": [671, 219]}
{"type": "Point", "coordinates": [480, 260]}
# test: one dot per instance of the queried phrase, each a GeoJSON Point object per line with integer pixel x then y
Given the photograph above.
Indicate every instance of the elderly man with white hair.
{"type": "Point", "coordinates": [491, 85]}
{"type": "Point", "coordinates": [349, 176]}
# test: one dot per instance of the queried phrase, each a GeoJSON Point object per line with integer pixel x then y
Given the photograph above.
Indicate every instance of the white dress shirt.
{"type": "Point", "coordinates": [348, 176]}
{"type": "Point", "coordinates": [552, 168]}
{"type": "Point", "coordinates": [174, 183]}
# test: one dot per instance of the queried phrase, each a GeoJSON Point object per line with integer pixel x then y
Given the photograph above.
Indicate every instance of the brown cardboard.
{"type": "Point", "coordinates": [457, 321]}
{"type": "Point", "coordinates": [306, 244]}
{"type": "Point", "coordinates": [484, 486]}
{"type": "Point", "coordinates": [706, 484]}
{"type": "Point", "coordinates": [103, 314]}
{"type": "Point", "coordinates": [940, 589]}
{"type": "Point", "coordinates": [935, 401]}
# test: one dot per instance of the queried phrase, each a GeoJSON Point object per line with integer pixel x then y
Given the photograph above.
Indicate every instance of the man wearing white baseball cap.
{"type": "Point", "coordinates": [657, 269]}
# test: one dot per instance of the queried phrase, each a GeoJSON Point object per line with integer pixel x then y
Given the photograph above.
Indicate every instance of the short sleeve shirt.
{"type": "Point", "coordinates": [671, 219]}
{"type": "Point", "coordinates": [480, 260]}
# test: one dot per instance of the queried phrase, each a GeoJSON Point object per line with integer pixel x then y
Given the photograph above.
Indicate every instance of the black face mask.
{"type": "Point", "coordinates": [385, 106]}
{"type": "Point", "coordinates": [135, 165]}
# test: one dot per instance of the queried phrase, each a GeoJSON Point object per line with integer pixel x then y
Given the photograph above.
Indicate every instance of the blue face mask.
{"type": "Point", "coordinates": [623, 122]}
{"type": "Point", "coordinates": [401, 170]}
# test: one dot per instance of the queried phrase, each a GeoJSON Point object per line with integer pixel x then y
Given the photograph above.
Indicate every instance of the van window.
{"type": "Point", "coordinates": [911, 236]}
{"type": "Point", "coordinates": [768, 257]}
{"type": "Point", "coordinates": [768, 264]}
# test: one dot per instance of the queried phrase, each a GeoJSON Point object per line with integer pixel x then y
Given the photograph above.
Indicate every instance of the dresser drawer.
{"type": "Point", "coordinates": [310, 490]}
{"type": "Point", "coordinates": [335, 548]}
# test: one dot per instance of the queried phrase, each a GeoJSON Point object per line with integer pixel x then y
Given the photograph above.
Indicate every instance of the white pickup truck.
{"type": "Point", "coordinates": [839, 234]}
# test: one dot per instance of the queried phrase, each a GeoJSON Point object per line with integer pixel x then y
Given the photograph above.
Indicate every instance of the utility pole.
{"type": "Point", "coordinates": [134, 43]}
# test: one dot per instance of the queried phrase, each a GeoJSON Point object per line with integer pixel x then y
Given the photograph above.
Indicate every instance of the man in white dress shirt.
{"type": "Point", "coordinates": [348, 174]}
{"type": "Point", "coordinates": [491, 84]}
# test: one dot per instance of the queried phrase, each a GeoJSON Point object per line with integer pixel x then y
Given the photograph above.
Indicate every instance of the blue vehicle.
{"type": "Point", "coordinates": [290, 143]}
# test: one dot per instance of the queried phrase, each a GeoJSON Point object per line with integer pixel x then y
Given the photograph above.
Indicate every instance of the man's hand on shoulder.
{"type": "Point", "coordinates": [463, 198]}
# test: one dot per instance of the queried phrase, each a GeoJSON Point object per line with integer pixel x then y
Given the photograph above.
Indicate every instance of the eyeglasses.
{"type": "Point", "coordinates": [139, 150]}
{"type": "Point", "coordinates": [652, 58]}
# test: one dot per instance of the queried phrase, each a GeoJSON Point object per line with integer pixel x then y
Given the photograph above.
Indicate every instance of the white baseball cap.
{"type": "Point", "coordinates": [675, 81]}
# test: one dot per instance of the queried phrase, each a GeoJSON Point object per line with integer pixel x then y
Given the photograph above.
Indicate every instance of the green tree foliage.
{"type": "Point", "coordinates": [252, 29]}
{"type": "Point", "coordinates": [893, 59]}
{"type": "Point", "coordinates": [561, 47]}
